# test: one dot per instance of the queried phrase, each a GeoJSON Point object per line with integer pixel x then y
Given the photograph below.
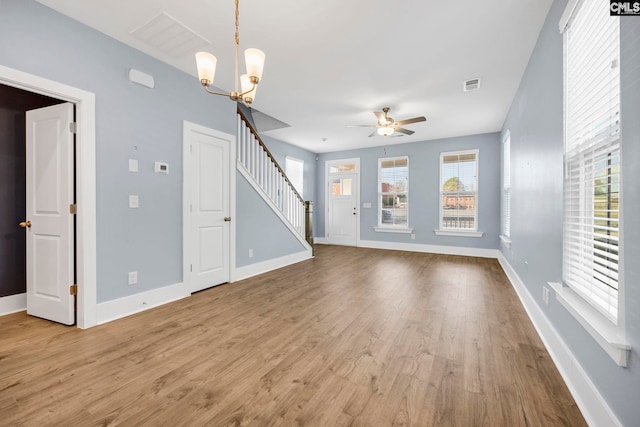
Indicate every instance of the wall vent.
{"type": "Point", "coordinates": [472, 84]}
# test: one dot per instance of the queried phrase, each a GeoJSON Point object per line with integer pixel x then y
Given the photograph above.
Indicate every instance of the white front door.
{"type": "Point", "coordinates": [343, 209]}
{"type": "Point", "coordinates": [207, 187]}
{"type": "Point", "coordinates": [49, 225]}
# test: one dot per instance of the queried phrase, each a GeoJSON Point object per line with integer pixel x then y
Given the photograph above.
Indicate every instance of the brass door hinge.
{"type": "Point", "coordinates": [73, 209]}
{"type": "Point", "coordinates": [73, 290]}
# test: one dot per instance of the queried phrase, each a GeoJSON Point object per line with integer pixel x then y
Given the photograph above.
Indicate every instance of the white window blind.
{"type": "Point", "coordinates": [458, 190]}
{"type": "Point", "coordinates": [294, 169]}
{"type": "Point", "coordinates": [393, 192]}
{"type": "Point", "coordinates": [506, 186]}
{"type": "Point", "coordinates": [592, 155]}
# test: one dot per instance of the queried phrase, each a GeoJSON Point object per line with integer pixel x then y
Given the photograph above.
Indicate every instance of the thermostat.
{"type": "Point", "coordinates": [162, 167]}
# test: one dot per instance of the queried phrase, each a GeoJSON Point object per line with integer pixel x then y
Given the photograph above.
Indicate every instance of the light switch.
{"type": "Point", "coordinates": [133, 201]}
{"type": "Point", "coordinates": [133, 165]}
{"type": "Point", "coordinates": [133, 277]}
{"type": "Point", "coordinates": [366, 205]}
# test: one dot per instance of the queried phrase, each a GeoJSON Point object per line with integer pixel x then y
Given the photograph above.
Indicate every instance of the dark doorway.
{"type": "Point", "coordinates": [14, 103]}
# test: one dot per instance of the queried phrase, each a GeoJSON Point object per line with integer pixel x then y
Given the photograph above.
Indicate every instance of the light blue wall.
{"type": "Point", "coordinates": [131, 122]}
{"type": "Point", "coordinates": [424, 181]}
{"type": "Point", "coordinates": [535, 124]}
{"type": "Point", "coordinates": [259, 229]}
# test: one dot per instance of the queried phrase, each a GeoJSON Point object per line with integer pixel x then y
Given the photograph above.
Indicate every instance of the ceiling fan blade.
{"type": "Point", "coordinates": [396, 135]}
{"type": "Point", "coordinates": [362, 126]}
{"type": "Point", "coordinates": [409, 121]}
{"type": "Point", "coordinates": [404, 131]}
{"type": "Point", "coordinates": [374, 133]}
{"type": "Point", "coordinates": [380, 116]}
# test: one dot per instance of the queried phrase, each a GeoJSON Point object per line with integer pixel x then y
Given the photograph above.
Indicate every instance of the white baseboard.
{"type": "Point", "coordinates": [269, 265]}
{"type": "Point", "coordinates": [13, 304]}
{"type": "Point", "coordinates": [591, 403]}
{"type": "Point", "coordinates": [320, 240]}
{"type": "Point", "coordinates": [435, 249]}
{"type": "Point", "coordinates": [123, 307]}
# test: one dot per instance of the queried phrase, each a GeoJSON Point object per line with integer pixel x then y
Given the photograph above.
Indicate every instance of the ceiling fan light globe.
{"type": "Point", "coordinates": [206, 63]}
{"type": "Point", "coordinates": [385, 131]}
{"type": "Point", "coordinates": [254, 59]}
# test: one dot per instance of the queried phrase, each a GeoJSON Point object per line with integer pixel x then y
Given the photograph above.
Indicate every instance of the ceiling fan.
{"type": "Point", "coordinates": [386, 126]}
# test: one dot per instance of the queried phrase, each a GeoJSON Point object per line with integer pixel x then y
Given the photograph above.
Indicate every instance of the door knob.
{"type": "Point", "coordinates": [25, 224]}
{"type": "Point", "coordinates": [227, 219]}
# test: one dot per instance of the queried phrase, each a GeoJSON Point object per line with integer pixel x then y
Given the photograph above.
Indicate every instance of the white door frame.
{"type": "Point", "coordinates": [85, 181]}
{"type": "Point", "coordinates": [327, 164]}
{"type": "Point", "coordinates": [187, 127]}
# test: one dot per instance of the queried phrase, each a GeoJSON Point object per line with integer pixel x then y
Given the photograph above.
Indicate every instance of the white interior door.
{"type": "Point", "coordinates": [209, 184]}
{"type": "Point", "coordinates": [343, 209]}
{"type": "Point", "coordinates": [49, 224]}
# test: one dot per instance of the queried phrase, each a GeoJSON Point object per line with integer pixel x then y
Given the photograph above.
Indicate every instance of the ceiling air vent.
{"type": "Point", "coordinates": [170, 36]}
{"type": "Point", "coordinates": [472, 84]}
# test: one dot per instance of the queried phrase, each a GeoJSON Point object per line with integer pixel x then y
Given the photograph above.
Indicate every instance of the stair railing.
{"type": "Point", "coordinates": [260, 164]}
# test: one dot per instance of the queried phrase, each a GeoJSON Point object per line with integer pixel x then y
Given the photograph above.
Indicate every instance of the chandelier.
{"type": "Point", "coordinates": [254, 60]}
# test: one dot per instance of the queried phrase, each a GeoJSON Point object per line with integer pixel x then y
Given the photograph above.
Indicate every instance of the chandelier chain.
{"type": "Point", "coordinates": [237, 43]}
{"type": "Point", "coordinates": [237, 23]}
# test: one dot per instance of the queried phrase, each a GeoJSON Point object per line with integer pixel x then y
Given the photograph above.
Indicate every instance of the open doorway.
{"type": "Point", "coordinates": [85, 168]}
{"type": "Point", "coordinates": [14, 103]}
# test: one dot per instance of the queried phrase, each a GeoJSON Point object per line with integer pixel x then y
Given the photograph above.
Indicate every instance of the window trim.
{"type": "Point", "coordinates": [386, 228]}
{"type": "Point", "coordinates": [505, 235]}
{"type": "Point", "coordinates": [598, 326]}
{"type": "Point", "coordinates": [461, 232]}
{"type": "Point", "coordinates": [458, 233]}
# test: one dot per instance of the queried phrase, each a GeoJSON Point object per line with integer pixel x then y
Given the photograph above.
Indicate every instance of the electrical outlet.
{"type": "Point", "coordinates": [133, 277]}
{"type": "Point", "coordinates": [133, 202]}
{"type": "Point", "coordinates": [413, 236]}
{"type": "Point", "coordinates": [250, 253]}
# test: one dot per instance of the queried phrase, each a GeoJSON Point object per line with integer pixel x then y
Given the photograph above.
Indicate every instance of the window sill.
{"type": "Point", "coordinates": [458, 233]}
{"type": "Point", "coordinates": [506, 241]}
{"type": "Point", "coordinates": [603, 331]}
{"type": "Point", "coordinates": [393, 230]}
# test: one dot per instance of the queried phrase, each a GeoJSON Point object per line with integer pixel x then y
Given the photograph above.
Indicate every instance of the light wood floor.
{"type": "Point", "coordinates": [357, 337]}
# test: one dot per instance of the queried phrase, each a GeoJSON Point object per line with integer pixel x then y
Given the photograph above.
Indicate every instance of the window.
{"type": "Point", "coordinates": [295, 173]}
{"type": "Point", "coordinates": [393, 192]}
{"type": "Point", "coordinates": [341, 186]}
{"type": "Point", "coordinates": [346, 167]}
{"type": "Point", "coordinates": [592, 156]}
{"type": "Point", "coordinates": [458, 190]}
{"type": "Point", "coordinates": [506, 186]}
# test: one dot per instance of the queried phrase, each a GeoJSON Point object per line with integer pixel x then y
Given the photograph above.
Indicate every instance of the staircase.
{"type": "Point", "coordinates": [263, 172]}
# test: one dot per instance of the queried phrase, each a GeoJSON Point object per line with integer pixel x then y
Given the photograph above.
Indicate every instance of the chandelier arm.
{"type": "Point", "coordinates": [244, 93]}
{"type": "Point", "coordinates": [216, 93]}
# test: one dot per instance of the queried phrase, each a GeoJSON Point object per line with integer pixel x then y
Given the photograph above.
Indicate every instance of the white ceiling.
{"type": "Point", "coordinates": [331, 63]}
